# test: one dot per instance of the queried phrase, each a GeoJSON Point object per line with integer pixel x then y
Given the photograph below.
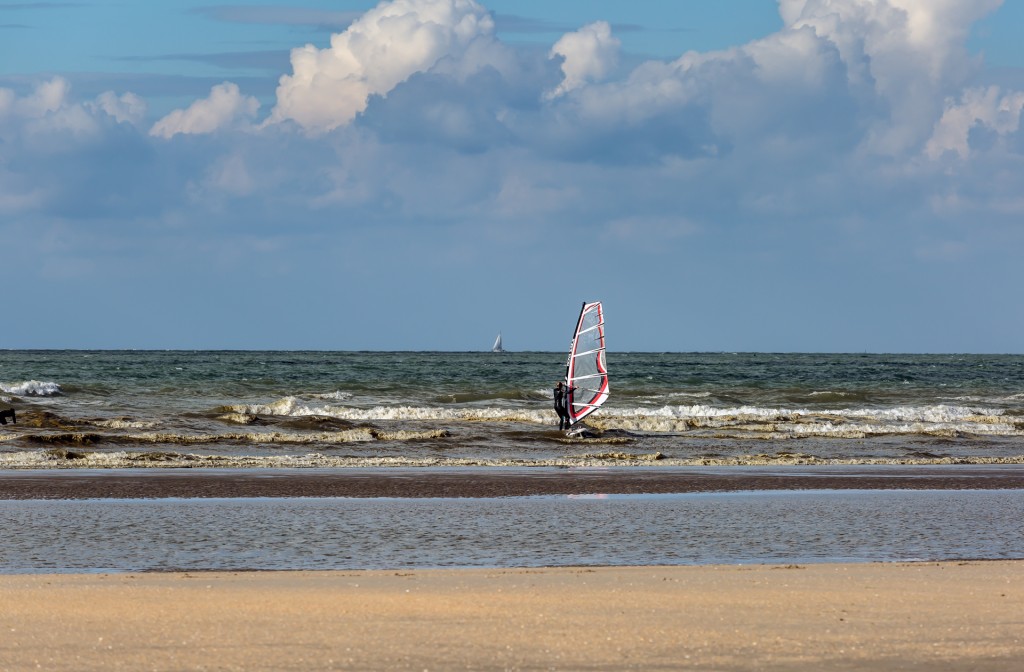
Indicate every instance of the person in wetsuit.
{"type": "Point", "coordinates": [561, 399]}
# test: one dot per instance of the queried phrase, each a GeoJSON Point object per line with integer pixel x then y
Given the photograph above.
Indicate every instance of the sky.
{"type": "Point", "coordinates": [743, 175]}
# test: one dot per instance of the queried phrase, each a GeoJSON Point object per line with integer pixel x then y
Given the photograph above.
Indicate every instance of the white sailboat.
{"type": "Point", "coordinates": [497, 344]}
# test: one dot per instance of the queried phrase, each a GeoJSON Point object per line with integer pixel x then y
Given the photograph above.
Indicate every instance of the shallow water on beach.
{"type": "Point", "coordinates": [683, 529]}
{"type": "Point", "coordinates": [96, 409]}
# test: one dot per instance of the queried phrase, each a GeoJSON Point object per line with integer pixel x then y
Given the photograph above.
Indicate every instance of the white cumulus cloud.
{"type": "Point", "coordinates": [225, 107]}
{"type": "Point", "coordinates": [977, 108]}
{"type": "Point", "coordinates": [49, 114]}
{"type": "Point", "coordinates": [880, 69]}
{"type": "Point", "coordinates": [329, 87]}
{"type": "Point", "coordinates": [126, 108]}
{"type": "Point", "coordinates": [588, 55]}
{"type": "Point", "coordinates": [46, 98]}
{"type": "Point", "coordinates": [909, 54]}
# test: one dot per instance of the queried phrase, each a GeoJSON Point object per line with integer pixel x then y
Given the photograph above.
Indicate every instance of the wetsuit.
{"type": "Point", "coordinates": [561, 397]}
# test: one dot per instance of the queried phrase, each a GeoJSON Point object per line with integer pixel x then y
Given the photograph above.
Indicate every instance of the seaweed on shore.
{"type": "Point", "coordinates": [44, 420]}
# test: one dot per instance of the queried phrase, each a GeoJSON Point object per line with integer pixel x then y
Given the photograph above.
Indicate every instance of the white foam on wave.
{"type": "Point", "coordinates": [933, 413]}
{"type": "Point", "coordinates": [238, 418]}
{"type": "Point", "coordinates": [857, 430]}
{"type": "Point", "coordinates": [669, 396]}
{"type": "Point", "coordinates": [357, 435]}
{"type": "Point", "coordinates": [757, 422]}
{"type": "Point", "coordinates": [334, 396]}
{"type": "Point", "coordinates": [939, 419]}
{"type": "Point", "coordinates": [125, 424]}
{"type": "Point", "coordinates": [345, 436]}
{"type": "Point", "coordinates": [32, 388]}
{"type": "Point", "coordinates": [294, 407]}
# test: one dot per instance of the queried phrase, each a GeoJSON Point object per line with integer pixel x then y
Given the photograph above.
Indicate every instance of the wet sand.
{"type": "Point", "coordinates": [490, 482]}
{"type": "Point", "coordinates": [934, 616]}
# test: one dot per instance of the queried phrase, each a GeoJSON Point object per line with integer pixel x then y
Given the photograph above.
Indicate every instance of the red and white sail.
{"type": "Point", "coordinates": [586, 369]}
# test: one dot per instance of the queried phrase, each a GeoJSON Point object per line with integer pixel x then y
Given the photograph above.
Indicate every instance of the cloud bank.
{"type": "Point", "coordinates": [843, 81]}
{"type": "Point", "coordinates": [862, 135]}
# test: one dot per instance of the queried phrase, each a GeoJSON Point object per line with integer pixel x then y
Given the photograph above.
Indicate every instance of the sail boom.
{"type": "Point", "coordinates": [588, 352]}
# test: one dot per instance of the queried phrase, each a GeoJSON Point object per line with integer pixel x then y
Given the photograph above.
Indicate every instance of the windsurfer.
{"type": "Point", "coordinates": [561, 396]}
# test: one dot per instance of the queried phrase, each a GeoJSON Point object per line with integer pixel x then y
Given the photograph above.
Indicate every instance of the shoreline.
{"type": "Point", "coordinates": [468, 482]}
{"type": "Point", "coordinates": [898, 616]}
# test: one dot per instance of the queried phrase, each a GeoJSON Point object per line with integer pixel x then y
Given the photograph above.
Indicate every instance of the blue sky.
{"type": "Point", "coordinates": [801, 175]}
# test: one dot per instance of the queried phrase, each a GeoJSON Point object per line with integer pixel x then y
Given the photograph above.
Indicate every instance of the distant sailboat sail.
{"type": "Point", "coordinates": [586, 369]}
{"type": "Point", "coordinates": [497, 344]}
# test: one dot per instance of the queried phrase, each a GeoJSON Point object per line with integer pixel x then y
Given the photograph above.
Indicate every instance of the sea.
{"type": "Point", "coordinates": [352, 409]}
{"type": "Point", "coordinates": [423, 412]}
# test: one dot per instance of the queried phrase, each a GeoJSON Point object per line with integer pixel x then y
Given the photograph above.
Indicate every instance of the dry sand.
{"type": "Point", "coordinates": [928, 616]}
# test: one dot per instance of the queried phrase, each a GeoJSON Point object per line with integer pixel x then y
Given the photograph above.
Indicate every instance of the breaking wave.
{"type": "Point", "coordinates": [756, 422]}
{"type": "Point", "coordinates": [334, 396]}
{"type": "Point", "coordinates": [295, 407]}
{"type": "Point", "coordinates": [124, 423]}
{"type": "Point", "coordinates": [32, 388]}
{"type": "Point", "coordinates": [940, 420]}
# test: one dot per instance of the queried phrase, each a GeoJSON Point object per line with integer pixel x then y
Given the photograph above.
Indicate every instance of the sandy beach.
{"type": "Point", "coordinates": [907, 616]}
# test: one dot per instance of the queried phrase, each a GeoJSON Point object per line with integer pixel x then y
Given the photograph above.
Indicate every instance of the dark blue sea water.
{"type": "Point", "coordinates": [149, 408]}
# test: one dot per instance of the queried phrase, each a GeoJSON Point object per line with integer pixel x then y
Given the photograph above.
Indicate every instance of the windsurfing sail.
{"type": "Point", "coordinates": [586, 369]}
{"type": "Point", "coordinates": [497, 344]}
